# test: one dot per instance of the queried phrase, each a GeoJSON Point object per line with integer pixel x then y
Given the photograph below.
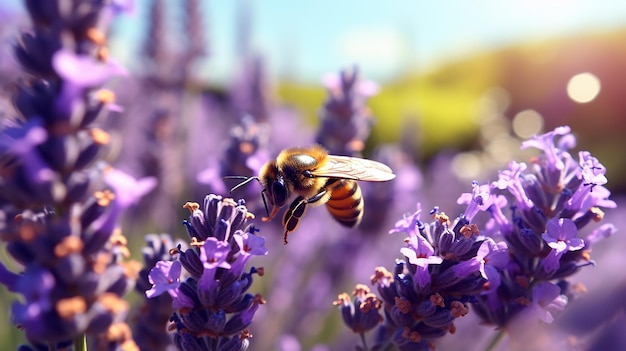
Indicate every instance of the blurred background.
{"type": "Point", "coordinates": [453, 86]}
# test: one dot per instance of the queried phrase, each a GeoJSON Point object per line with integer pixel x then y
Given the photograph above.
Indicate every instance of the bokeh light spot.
{"type": "Point", "coordinates": [527, 123]}
{"type": "Point", "coordinates": [583, 87]}
{"type": "Point", "coordinates": [466, 165]}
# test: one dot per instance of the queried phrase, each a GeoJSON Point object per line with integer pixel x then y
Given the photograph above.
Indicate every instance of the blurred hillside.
{"type": "Point", "coordinates": [445, 106]}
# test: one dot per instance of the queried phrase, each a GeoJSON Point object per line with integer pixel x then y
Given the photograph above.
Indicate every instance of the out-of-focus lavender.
{"type": "Point", "coordinates": [60, 202]}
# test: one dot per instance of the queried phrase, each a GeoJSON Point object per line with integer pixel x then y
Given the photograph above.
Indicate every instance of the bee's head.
{"type": "Point", "coordinates": [274, 184]}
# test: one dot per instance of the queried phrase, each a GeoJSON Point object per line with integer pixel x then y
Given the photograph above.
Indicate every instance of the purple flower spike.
{"type": "Point", "coordinates": [213, 305]}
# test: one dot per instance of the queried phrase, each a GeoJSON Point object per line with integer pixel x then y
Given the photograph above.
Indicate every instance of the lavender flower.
{"type": "Point", "coordinates": [448, 265]}
{"type": "Point", "coordinates": [553, 201]}
{"type": "Point", "coordinates": [345, 120]}
{"type": "Point", "coordinates": [445, 267]}
{"type": "Point", "coordinates": [153, 316]}
{"type": "Point", "coordinates": [212, 306]}
{"type": "Point", "coordinates": [62, 226]}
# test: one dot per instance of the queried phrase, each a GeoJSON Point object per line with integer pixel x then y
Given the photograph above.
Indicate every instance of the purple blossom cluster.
{"type": "Point", "coordinates": [445, 266]}
{"type": "Point", "coordinates": [510, 270]}
{"type": "Point", "coordinates": [552, 202]}
{"type": "Point", "coordinates": [345, 120]}
{"type": "Point", "coordinates": [57, 198]}
{"type": "Point", "coordinates": [213, 307]}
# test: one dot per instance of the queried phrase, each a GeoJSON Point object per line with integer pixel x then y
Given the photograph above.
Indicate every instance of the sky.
{"type": "Point", "coordinates": [309, 38]}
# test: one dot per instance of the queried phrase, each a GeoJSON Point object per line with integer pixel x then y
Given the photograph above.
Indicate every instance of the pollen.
{"type": "Point", "coordinates": [121, 333]}
{"type": "Point", "coordinates": [245, 334]}
{"type": "Point", "coordinates": [117, 238]}
{"type": "Point", "coordinates": [105, 96]}
{"type": "Point", "coordinates": [132, 269]}
{"type": "Point", "coordinates": [356, 145]}
{"type": "Point", "coordinates": [469, 230]}
{"type": "Point", "coordinates": [437, 300]}
{"type": "Point", "coordinates": [412, 336]}
{"type": "Point", "coordinates": [442, 218]}
{"type": "Point", "coordinates": [191, 206]}
{"type": "Point", "coordinates": [523, 301]}
{"type": "Point", "coordinates": [70, 307]}
{"type": "Point", "coordinates": [260, 271]}
{"type": "Point", "coordinates": [195, 242]}
{"type": "Point", "coordinates": [99, 136]}
{"type": "Point", "coordinates": [598, 214]}
{"type": "Point", "coordinates": [586, 254]}
{"type": "Point", "coordinates": [451, 330]}
{"type": "Point", "coordinates": [113, 303]}
{"type": "Point", "coordinates": [68, 246]}
{"type": "Point", "coordinates": [118, 332]}
{"type": "Point", "coordinates": [371, 302]}
{"type": "Point", "coordinates": [343, 299]}
{"type": "Point", "coordinates": [458, 309]}
{"type": "Point", "coordinates": [381, 276]}
{"type": "Point", "coordinates": [104, 197]}
{"type": "Point", "coordinates": [101, 262]}
{"type": "Point", "coordinates": [27, 232]}
{"type": "Point", "coordinates": [96, 36]}
{"type": "Point", "coordinates": [246, 148]}
{"type": "Point", "coordinates": [360, 290]}
{"type": "Point", "coordinates": [522, 281]}
{"type": "Point", "coordinates": [103, 53]}
{"type": "Point", "coordinates": [258, 298]}
{"type": "Point", "coordinates": [229, 202]}
{"type": "Point", "coordinates": [579, 288]}
{"type": "Point", "coordinates": [402, 304]}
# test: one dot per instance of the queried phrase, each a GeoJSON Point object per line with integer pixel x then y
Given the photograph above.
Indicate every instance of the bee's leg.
{"type": "Point", "coordinates": [292, 216]}
{"type": "Point", "coordinates": [316, 198]}
{"type": "Point", "coordinates": [271, 215]}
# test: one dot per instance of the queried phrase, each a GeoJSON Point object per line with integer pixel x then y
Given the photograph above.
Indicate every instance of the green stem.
{"type": "Point", "coordinates": [496, 339]}
{"type": "Point", "coordinates": [364, 342]}
{"type": "Point", "coordinates": [80, 343]}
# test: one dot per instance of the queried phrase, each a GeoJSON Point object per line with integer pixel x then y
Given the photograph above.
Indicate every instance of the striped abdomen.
{"type": "Point", "coordinates": [346, 201]}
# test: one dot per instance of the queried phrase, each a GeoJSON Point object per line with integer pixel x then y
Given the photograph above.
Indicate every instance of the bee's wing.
{"type": "Point", "coordinates": [344, 167]}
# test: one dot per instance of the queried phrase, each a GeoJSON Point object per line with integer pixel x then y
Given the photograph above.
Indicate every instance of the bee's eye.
{"type": "Point", "coordinates": [279, 192]}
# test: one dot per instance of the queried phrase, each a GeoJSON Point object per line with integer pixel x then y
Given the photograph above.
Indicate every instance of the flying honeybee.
{"type": "Point", "coordinates": [317, 178]}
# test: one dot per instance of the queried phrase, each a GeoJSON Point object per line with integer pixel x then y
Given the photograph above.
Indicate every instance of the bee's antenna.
{"type": "Point", "coordinates": [246, 181]}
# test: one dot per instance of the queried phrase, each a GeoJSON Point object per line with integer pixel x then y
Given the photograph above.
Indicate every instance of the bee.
{"type": "Point", "coordinates": [317, 178]}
